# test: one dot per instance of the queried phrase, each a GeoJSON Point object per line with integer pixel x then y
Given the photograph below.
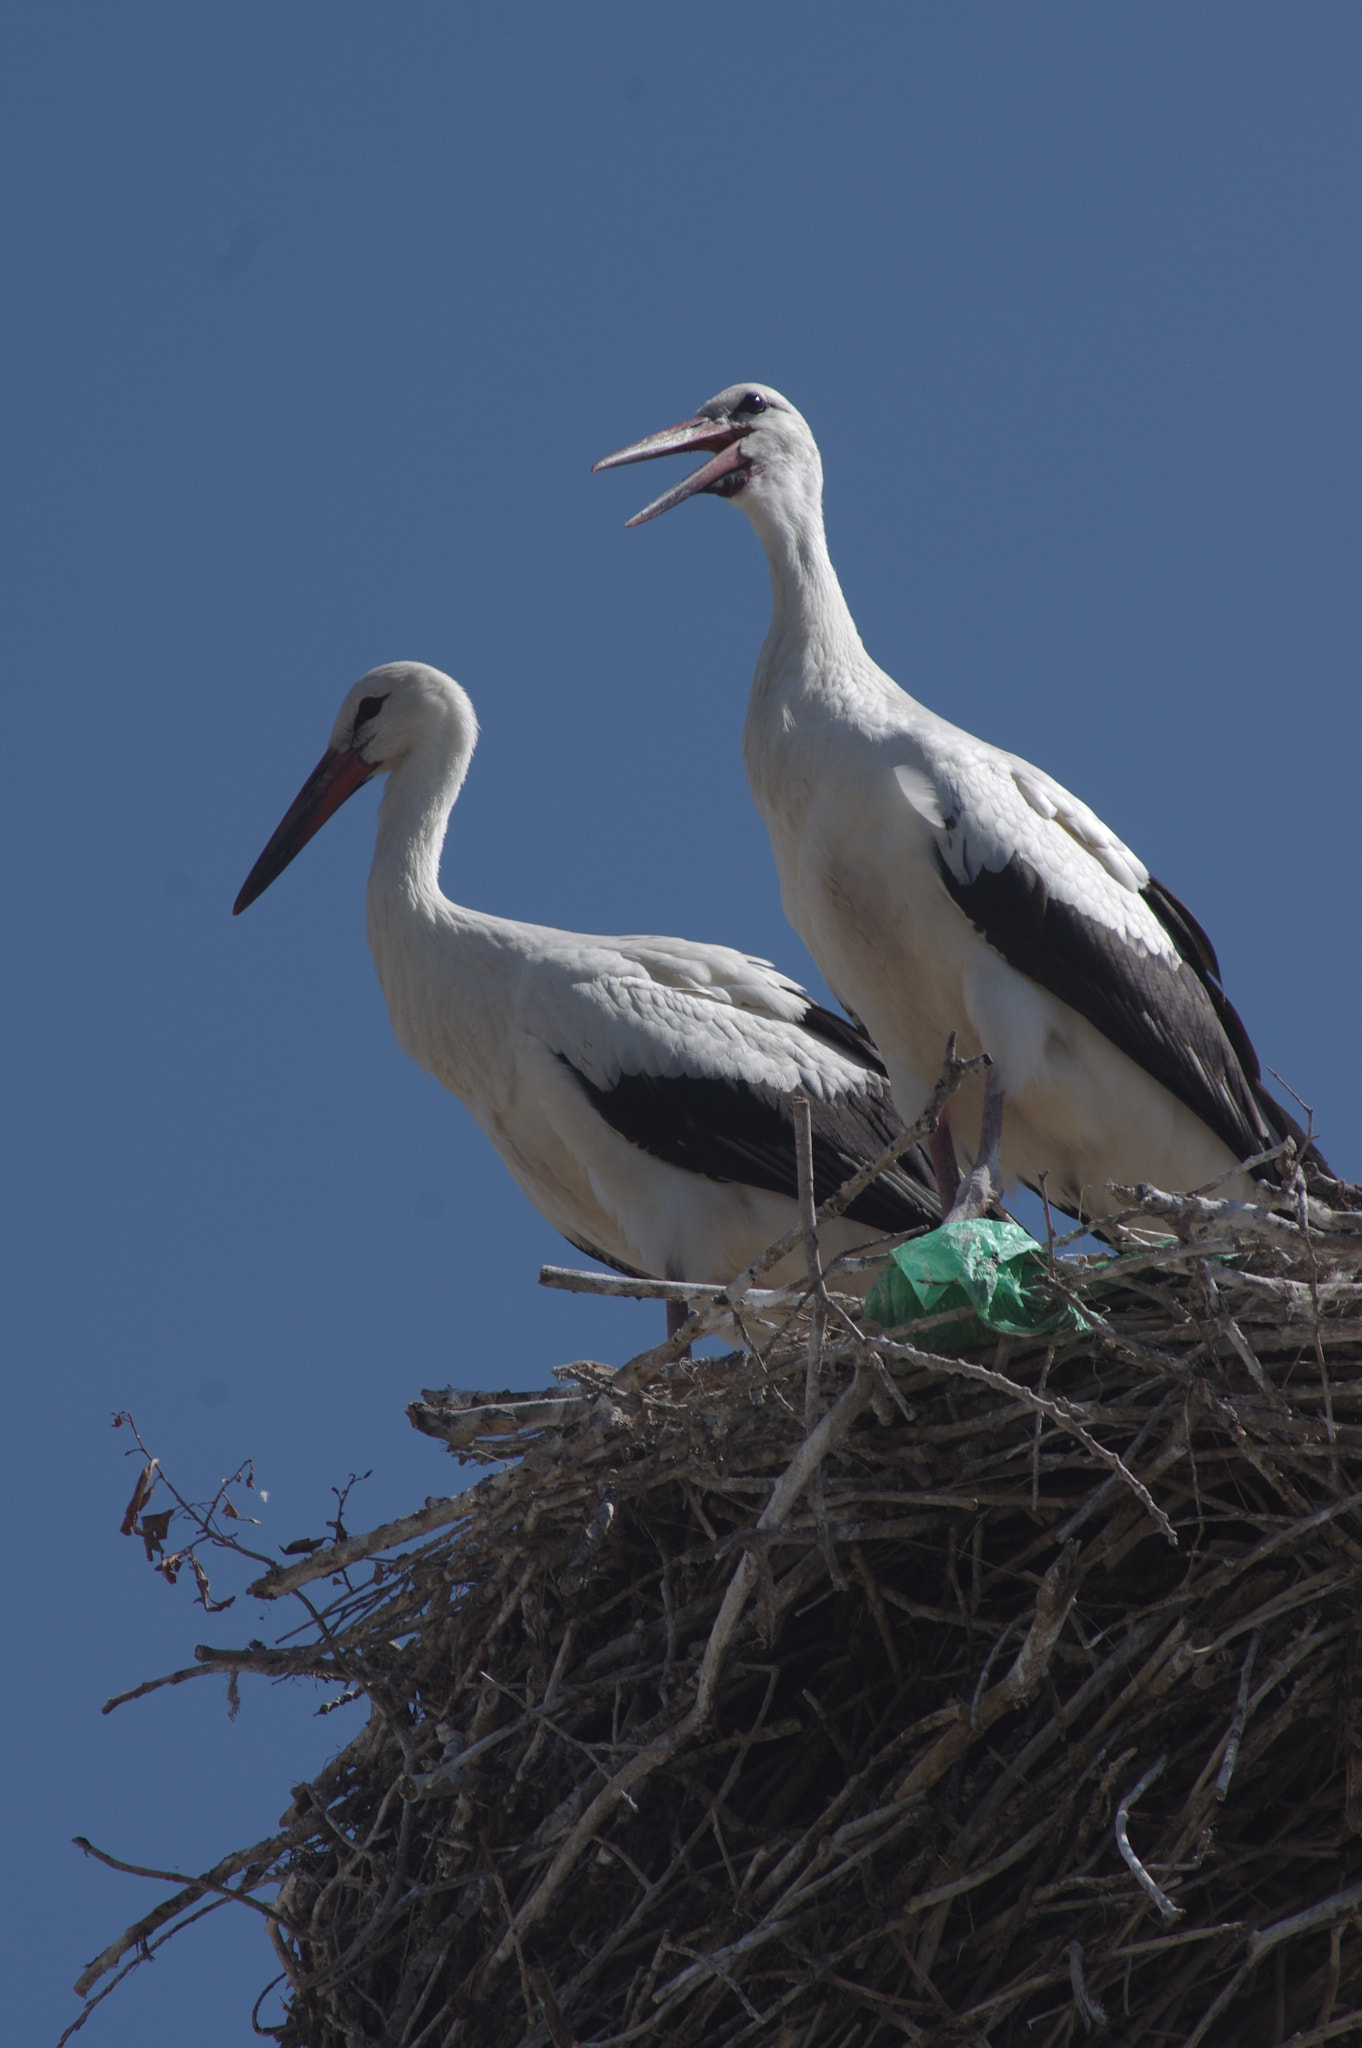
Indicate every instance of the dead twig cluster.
{"type": "Point", "coordinates": [853, 1687]}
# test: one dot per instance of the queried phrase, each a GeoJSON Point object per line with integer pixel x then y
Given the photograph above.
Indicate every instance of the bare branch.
{"type": "Point", "coordinates": [1137, 1869]}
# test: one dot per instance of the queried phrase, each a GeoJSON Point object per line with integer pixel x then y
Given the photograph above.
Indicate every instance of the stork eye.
{"type": "Point", "coordinates": [369, 707]}
{"type": "Point", "coordinates": [754, 402]}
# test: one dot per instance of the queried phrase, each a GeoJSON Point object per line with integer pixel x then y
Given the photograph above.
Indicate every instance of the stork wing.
{"type": "Point", "coordinates": [728, 1131]}
{"type": "Point", "coordinates": [694, 1077]}
{"type": "Point", "coordinates": [749, 983]}
{"type": "Point", "coordinates": [1063, 901]}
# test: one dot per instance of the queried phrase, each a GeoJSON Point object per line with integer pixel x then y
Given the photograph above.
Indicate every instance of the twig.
{"type": "Point", "coordinates": [1236, 1734]}
{"type": "Point", "coordinates": [137, 1692]}
{"type": "Point", "coordinates": [1136, 1868]}
{"type": "Point", "coordinates": [578, 1280]}
{"type": "Point", "coordinates": [1248, 1218]}
{"type": "Point", "coordinates": [803, 1128]}
{"type": "Point", "coordinates": [1053, 1601]}
{"type": "Point", "coordinates": [260, 1854]}
{"type": "Point", "coordinates": [323, 1564]}
{"type": "Point", "coordinates": [1090, 2010]}
{"type": "Point", "coordinates": [1318, 1915]}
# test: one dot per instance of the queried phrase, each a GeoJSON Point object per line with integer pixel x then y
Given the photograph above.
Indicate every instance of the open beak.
{"type": "Point", "coordinates": [339, 773]}
{"type": "Point", "coordinates": [723, 474]}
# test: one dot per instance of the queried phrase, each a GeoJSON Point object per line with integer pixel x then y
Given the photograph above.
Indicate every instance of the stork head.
{"type": "Point", "coordinates": [760, 451]}
{"type": "Point", "coordinates": [392, 715]}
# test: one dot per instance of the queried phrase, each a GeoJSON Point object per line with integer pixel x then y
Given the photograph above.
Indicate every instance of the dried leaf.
{"type": "Point", "coordinates": [141, 1494]}
{"type": "Point", "coordinates": [201, 1578]}
{"type": "Point", "coordinates": [152, 1530]}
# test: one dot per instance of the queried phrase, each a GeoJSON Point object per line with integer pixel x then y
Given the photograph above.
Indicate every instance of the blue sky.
{"type": "Point", "coordinates": [316, 318]}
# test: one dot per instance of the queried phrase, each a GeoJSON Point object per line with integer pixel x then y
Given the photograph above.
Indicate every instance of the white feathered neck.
{"type": "Point", "coordinates": [438, 963]}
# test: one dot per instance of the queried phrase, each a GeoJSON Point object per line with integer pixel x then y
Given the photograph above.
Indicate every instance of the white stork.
{"type": "Point", "coordinates": [942, 884]}
{"type": "Point", "coordinates": [638, 1089]}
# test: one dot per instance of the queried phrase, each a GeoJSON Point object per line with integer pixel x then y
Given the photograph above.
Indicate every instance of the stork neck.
{"type": "Point", "coordinates": [809, 614]}
{"type": "Point", "coordinates": [439, 964]}
{"type": "Point", "coordinates": [412, 819]}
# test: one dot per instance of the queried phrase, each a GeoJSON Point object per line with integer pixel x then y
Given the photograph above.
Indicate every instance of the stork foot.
{"type": "Point", "coordinates": [977, 1193]}
{"type": "Point", "coordinates": [982, 1186]}
{"type": "Point", "coordinates": [677, 1311]}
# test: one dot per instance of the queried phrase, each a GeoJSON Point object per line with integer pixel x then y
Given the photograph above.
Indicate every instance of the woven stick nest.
{"type": "Point", "coordinates": [856, 1688]}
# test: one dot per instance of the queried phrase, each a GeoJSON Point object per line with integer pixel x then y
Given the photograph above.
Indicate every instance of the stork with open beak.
{"type": "Point", "coordinates": [944, 885]}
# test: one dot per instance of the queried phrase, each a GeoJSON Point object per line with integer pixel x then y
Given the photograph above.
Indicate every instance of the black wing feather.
{"type": "Point", "coordinates": [1171, 1019]}
{"type": "Point", "coordinates": [727, 1130]}
{"type": "Point", "coordinates": [845, 1036]}
{"type": "Point", "coordinates": [1197, 950]}
{"type": "Point", "coordinates": [593, 1251]}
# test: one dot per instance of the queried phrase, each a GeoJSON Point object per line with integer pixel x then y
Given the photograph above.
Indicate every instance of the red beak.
{"type": "Point", "coordinates": [722, 436]}
{"type": "Point", "coordinates": [336, 776]}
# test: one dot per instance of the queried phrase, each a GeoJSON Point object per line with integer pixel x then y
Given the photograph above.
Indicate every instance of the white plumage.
{"type": "Point", "coordinates": [942, 884]}
{"type": "Point", "coordinates": [637, 1088]}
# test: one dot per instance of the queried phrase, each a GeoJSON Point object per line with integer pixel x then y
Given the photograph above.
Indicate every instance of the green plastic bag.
{"type": "Point", "coordinates": [996, 1270]}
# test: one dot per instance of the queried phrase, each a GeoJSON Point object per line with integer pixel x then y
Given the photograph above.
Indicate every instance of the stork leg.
{"type": "Point", "coordinates": [941, 1150]}
{"type": "Point", "coordinates": [677, 1311]}
{"type": "Point", "coordinates": [983, 1185]}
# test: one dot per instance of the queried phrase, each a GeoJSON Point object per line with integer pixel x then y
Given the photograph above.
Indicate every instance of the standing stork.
{"type": "Point", "coordinates": [943, 884]}
{"type": "Point", "coordinates": [638, 1089]}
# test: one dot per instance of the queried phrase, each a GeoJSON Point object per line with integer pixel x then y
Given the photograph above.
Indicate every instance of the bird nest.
{"type": "Point", "coordinates": [858, 1687]}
